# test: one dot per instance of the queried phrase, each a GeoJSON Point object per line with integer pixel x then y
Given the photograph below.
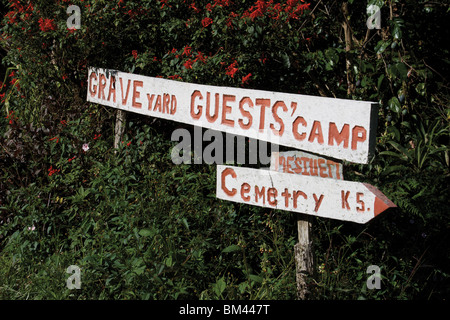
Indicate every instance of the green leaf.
{"type": "Point", "coordinates": [394, 105]}
{"type": "Point", "coordinates": [286, 60]}
{"type": "Point", "coordinates": [380, 81]}
{"type": "Point", "coordinates": [256, 278]}
{"type": "Point", "coordinates": [421, 89]}
{"type": "Point", "coordinates": [145, 232]}
{"type": "Point", "coordinates": [219, 286]}
{"type": "Point", "coordinates": [381, 46]}
{"type": "Point", "coordinates": [232, 248]}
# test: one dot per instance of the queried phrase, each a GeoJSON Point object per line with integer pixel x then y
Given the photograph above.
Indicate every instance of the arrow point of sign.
{"type": "Point", "coordinates": [381, 201]}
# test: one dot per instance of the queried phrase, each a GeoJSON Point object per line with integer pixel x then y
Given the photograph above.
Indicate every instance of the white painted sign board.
{"type": "Point", "coordinates": [328, 198]}
{"type": "Point", "coordinates": [338, 128]}
{"type": "Point", "coordinates": [307, 164]}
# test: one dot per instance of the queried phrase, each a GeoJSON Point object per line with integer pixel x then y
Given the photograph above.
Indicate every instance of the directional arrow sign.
{"type": "Point", "coordinates": [329, 198]}
{"type": "Point", "coordinates": [338, 128]}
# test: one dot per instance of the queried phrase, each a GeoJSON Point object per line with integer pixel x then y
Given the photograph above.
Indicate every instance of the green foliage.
{"type": "Point", "coordinates": [140, 227]}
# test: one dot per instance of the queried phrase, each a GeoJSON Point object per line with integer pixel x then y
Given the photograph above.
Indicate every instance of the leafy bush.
{"type": "Point", "coordinates": [140, 227]}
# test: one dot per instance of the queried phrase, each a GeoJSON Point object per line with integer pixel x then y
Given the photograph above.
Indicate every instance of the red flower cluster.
{"type": "Point", "coordinates": [187, 51]}
{"type": "Point", "coordinates": [52, 171]}
{"type": "Point", "coordinates": [200, 57]}
{"type": "Point", "coordinates": [10, 116]}
{"type": "Point", "coordinates": [246, 78]}
{"type": "Point", "coordinates": [46, 24]}
{"type": "Point", "coordinates": [292, 8]}
{"type": "Point", "coordinates": [135, 54]}
{"type": "Point", "coordinates": [175, 76]}
{"type": "Point", "coordinates": [217, 3]}
{"type": "Point", "coordinates": [206, 22]}
{"type": "Point", "coordinates": [231, 69]}
{"type": "Point", "coordinates": [16, 8]}
{"type": "Point", "coordinates": [188, 64]}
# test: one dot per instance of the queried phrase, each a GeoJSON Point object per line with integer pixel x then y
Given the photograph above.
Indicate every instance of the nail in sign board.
{"type": "Point", "coordinates": [338, 128]}
{"type": "Point", "coordinates": [306, 164]}
{"type": "Point", "coordinates": [329, 198]}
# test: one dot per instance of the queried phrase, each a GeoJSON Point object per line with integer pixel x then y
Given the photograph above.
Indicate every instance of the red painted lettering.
{"type": "Point", "coordinates": [92, 86]}
{"type": "Point", "coordinates": [245, 113]}
{"type": "Point", "coordinates": [344, 197]}
{"type": "Point", "coordinates": [124, 100]}
{"type": "Point", "coordinates": [196, 115]}
{"type": "Point", "coordinates": [263, 103]}
{"type": "Point", "coordinates": [245, 188]}
{"type": "Point", "coordinates": [359, 201]}
{"type": "Point", "coordinates": [316, 132]}
{"type": "Point", "coordinates": [317, 201]}
{"type": "Point", "coordinates": [173, 104]}
{"type": "Point", "coordinates": [275, 107]}
{"type": "Point", "coordinates": [166, 101]}
{"type": "Point", "coordinates": [226, 172]}
{"type": "Point", "coordinates": [213, 118]}
{"type": "Point", "coordinates": [226, 109]}
{"type": "Point", "coordinates": [112, 89]}
{"type": "Point", "coordinates": [101, 86]}
{"type": "Point", "coordinates": [286, 196]}
{"type": "Point", "coordinates": [322, 169]}
{"type": "Point", "coordinates": [136, 94]}
{"type": "Point", "coordinates": [296, 195]}
{"type": "Point", "coordinates": [335, 135]}
{"type": "Point", "coordinates": [358, 135]}
{"type": "Point", "coordinates": [260, 194]}
{"type": "Point", "coordinates": [272, 196]}
{"type": "Point", "coordinates": [299, 136]}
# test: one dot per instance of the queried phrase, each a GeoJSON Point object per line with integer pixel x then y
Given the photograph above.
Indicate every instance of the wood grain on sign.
{"type": "Point", "coordinates": [303, 163]}
{"type": "Point", "coordinates": [328, 198]}
{"type": "Point", "coordinates": [338, 128]}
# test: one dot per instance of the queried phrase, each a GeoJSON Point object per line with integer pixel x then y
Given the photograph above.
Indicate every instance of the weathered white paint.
{"type": "Point", "coordinates": [307, 164]}
{"type": "Point", "coordinates": [338, 128]}
{"type": "Point", "coordinates": [328, 198]}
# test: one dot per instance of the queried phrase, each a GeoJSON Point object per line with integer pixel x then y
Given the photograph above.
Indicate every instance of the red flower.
{"type": "Point", "coordinates": [192, 6]}
{"type": "Point", "coordinates": [231, 69]}
{"type": "Point", "coordinates": [230, 19]}
{"type": "Point", "coordinates": [135, 54]}
{"type": "Point", "coordinates": [200, 57]}
{"type": "Point", "coordinates": [206, 22]}
{"type": "Point", "coordinates": [187, 51]}
{"type": "Point", "coordinates": [52, 171]}
{"type": "Point", "coordinates": [246, 78]}
{"type": "Point", "coordinates": [188, 64]}
{"type": "Point", "coordinates": [175, 76]}
{"type": "Point", "coordinates": [46, 24]}
{"type": "Point", "coordinates": [259, 9]}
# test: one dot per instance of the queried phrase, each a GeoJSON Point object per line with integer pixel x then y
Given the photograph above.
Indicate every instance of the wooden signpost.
{"type": "Point", "coordinates": [303, 163]}
{"type": "Point", "coordinates": [338, 128]}
{"type": "Point", "coordinates": [327, 198]}
{"type": "Point", "coordinates": [296, 181]}
{"type": "Point", "coordinates": [307, 195]}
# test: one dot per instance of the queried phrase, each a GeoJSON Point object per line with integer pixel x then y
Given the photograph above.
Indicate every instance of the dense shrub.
{"type": "Point", "coordinates": [141, 227]}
